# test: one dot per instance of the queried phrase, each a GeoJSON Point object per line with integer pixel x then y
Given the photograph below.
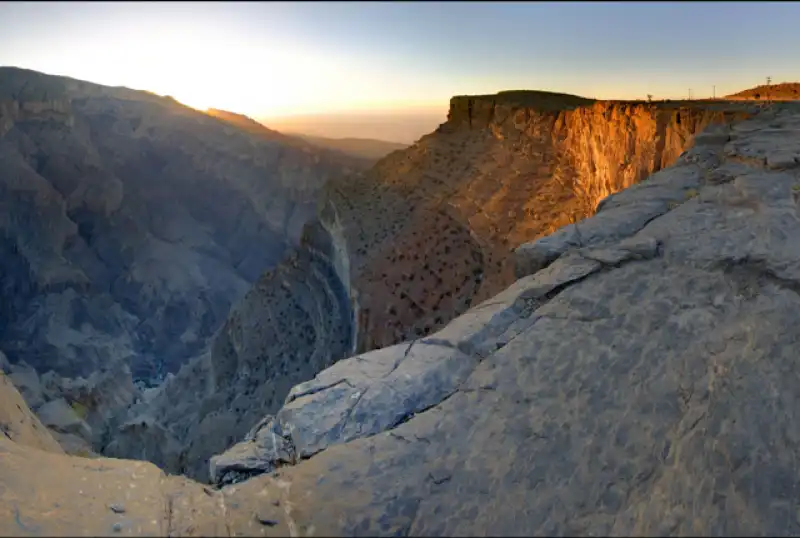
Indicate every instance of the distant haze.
{"type": "Point", "coordinates": [403, 127]}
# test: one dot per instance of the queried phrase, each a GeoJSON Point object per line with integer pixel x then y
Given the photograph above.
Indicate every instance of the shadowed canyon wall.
{"type": "Point", "coordinates": [129, 225]}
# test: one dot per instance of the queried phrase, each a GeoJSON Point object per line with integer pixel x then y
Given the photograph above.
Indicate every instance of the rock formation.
{"type": "Point", "coordinates": [295, 322]}
{"type": "Point", "coordinates": [641, 381]}
{"type": "Point", "coordinates": [129, 224]}
{"type": "Point", "coordinates": [784, 91]}
{"type": "Point", "coordinates": [406, 247]}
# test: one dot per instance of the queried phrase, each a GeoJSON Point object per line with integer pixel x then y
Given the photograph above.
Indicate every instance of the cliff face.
{"type": "Point", "coordinates": [129, 225]}
{"type": "Point", "coordinates": [418, 239]}
{"type": "Point", "coordinates": [430, 230]}
{"type": "Point", "coordinates": [295, 322]}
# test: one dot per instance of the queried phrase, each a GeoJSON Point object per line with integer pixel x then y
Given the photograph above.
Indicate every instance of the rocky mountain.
{"type": "Point", "coordinates": [399, 251]}
{"type": "Point", "coordinates": [785, 91]}
{"type": "Point", "coordinates": [360, 147]}
{"type": "Point", "coordinates": [638, 378]}
{"type": "Point", "coordinates": [129, 224]}
{"type": "Point", "coordinates": [345, 153]}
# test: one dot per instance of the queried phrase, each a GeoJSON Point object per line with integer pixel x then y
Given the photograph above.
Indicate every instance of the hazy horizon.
{"type": "Point", "coordinates": [400, 126]}
{"type": "Point", "coordinates": [282, 63]}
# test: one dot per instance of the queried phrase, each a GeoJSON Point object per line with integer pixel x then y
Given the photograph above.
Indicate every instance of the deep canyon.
{"type": "Point", "coordinates": [288, 322]}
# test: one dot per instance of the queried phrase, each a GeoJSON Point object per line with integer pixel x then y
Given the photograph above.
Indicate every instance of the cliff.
{"type": "Point", "coordinates": [129, 225]}
{"type": "Point", "coordinates": [429, 231]}
{"type": "Point", "coordinates": [642, 382]}
{"type": "Point", "coordinates": [413, 243]}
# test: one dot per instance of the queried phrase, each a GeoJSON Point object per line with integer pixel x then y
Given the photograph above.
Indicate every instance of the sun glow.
{"type": "Point", "coordinates": [194, 56]}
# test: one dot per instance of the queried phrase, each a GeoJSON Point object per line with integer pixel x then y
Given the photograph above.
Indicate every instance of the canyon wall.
{"type": "Point", "coordinates": [417, 240]}
{"type": "Point", "coordinates": [129, 225]}
{"type": "Point", "coordinates": [430, 230]}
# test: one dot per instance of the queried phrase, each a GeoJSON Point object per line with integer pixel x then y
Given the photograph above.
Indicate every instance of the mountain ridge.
{"type": "Point", "coordinates": [129, 224]}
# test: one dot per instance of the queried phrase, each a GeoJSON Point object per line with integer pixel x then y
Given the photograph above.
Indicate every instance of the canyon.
{"type": "Point", "coordinates": [129, 225]}
{"type": "Point", "coordinates": [628, 373]}
{"type": "Point", "coordinates": [398, 251]}
{"type": "Point", "coordinates": [346, 259]}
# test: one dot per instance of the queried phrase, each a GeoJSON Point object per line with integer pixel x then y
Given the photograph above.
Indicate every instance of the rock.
{"type": "Point", "coordinates": [634, 386]}
{"type": "Point", "coordinates": [464, 196]}
{"type": "Point", "coordinates": [74, 445]}
{"type": "Point", "coordinates": [265, 452]}
{"type": "Point", "coordinates": [283, 332]}
{"type": "Point", "coordinates": [665, 361]}
{"type": "Point", "coordinates": [27, 382]}
{"type": "Point", "coordinates": [62, 417]}
{"type": "Point", "coordinates": [19, 424]}
{"type": "Point", "coordinates": [101, 263]}
{"type": "Point", "coordinates": [265, 520]}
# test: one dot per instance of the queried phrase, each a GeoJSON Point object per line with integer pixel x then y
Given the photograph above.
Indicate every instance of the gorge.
{"type": "Point", "coordinates": [398, 251]}
{"type": "Point", "coordinates": [636, 378]}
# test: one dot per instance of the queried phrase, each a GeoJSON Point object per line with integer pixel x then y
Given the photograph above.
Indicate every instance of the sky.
{"type": "Point", "coordinates": [273, 59]}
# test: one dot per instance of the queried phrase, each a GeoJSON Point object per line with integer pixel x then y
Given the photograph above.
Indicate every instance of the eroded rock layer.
{"type": "Point", "coordinates": [642, 382]}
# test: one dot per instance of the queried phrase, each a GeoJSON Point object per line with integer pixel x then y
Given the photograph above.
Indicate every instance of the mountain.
{"type": "Point", "coordinates": [326, 151]}
{"type": "Point", "coordinates": [785, 91]}
{"type": "Point", "coordinates": [403, 127]}
{"type": "Point", "coordinates": [400, 250]}
{"type": "Point", "coordinates": [129, 225]}
{"type": "Point", "coordinates": [359, 147]}
{"type": "Point", "coordinates": [640, 379]}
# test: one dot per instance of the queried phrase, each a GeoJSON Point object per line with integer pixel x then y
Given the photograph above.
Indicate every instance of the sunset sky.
{"type": "Point", "coordinates": [272, 59]}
